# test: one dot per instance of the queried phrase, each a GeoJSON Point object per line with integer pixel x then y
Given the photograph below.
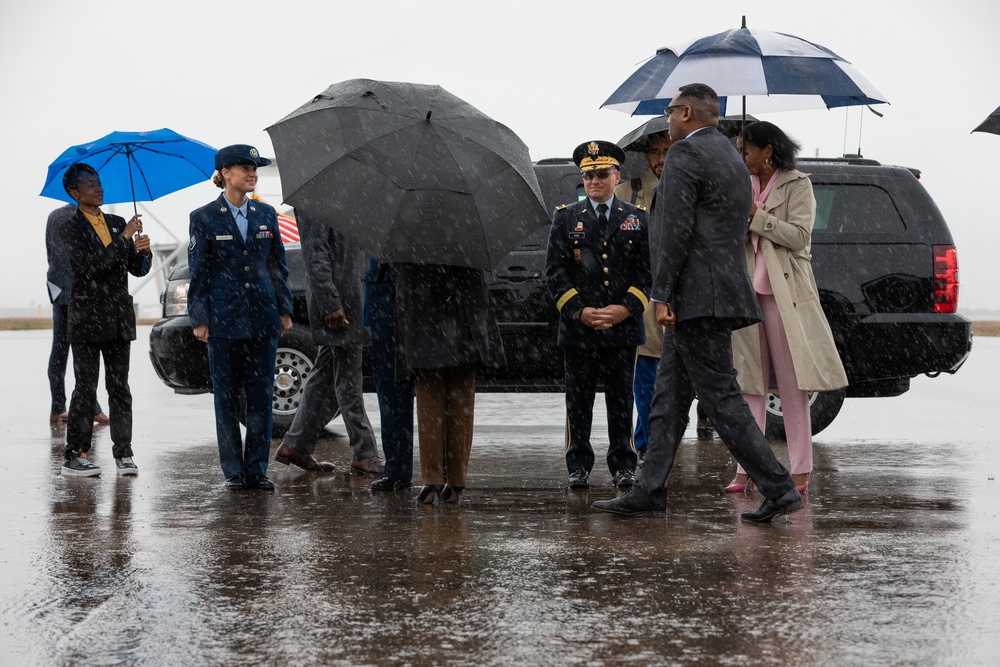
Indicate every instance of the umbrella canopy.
{"type": "Point", "coordinates": [773, 71]}
{"type": "Point", "coordinates": [638, 139]}
{"type": "Point", "coordinates": [136, 166]}
{"type": "Point", "coordinates": [410, 172]}
{"type": "Point", "coordinates": [991, 124]}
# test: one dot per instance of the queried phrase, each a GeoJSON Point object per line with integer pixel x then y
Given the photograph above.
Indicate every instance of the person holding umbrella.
{"type": "Point", "coordinates": [240, 303]}
{"type": "Point", "coordinates": [103, 250]}
{"type": "Point", "coordinates": [639, 192]}
{"type": "Point", "coordinates": [703, 293]}
{"type": "Point", "coordinates": [794, 339]}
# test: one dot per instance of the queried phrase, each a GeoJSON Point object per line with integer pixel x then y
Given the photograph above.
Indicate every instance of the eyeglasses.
{"type": "Point", "coordinates": [670, 108]}
{"type": "Point", "coordinates": [596, 173]}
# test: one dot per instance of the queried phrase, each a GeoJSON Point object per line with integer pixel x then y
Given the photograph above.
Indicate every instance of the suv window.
{"type": "Point", "coordinates": [855, 209]}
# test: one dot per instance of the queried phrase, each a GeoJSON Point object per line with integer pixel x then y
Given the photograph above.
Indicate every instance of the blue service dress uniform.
{"type": "Point", "coordinates": [239, 288]}
{"type": "Point", "coordinates": [596, 262]}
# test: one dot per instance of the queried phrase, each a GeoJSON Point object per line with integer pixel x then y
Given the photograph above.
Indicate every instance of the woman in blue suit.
{"type": "Point", "coordinates": [239, 303]}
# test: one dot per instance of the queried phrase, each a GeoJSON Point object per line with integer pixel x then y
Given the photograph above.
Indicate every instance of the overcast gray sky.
{"type": "Point", "coordinates": [222, 72]}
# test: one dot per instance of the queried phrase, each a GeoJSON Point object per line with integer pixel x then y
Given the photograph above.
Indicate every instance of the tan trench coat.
{"type": "Point", "coordinates": [785, 228]}
{"type": "Point", "coordinates": [644, 197]}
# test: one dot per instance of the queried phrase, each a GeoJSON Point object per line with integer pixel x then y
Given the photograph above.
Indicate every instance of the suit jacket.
{"type": "Point", "coordinates": [238, 288]}
{"type": "Point", "coordinates": [60, 275]}
{"type": "Point", "coordinates": [334, 266]}
{"type": "Point", "coordinates": [699, 229]}
{"type": "Point", "coordinates": [100, 307]}
{"type": "Point", "coordinates": [596, 263]}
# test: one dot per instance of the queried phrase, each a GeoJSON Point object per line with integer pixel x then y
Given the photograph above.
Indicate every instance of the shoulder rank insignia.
{"type": "Point", "coordinates": [560, 207]}
{"type": "Point", "coordinates": [640, 207]}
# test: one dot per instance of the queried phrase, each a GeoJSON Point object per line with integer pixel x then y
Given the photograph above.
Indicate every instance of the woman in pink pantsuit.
{"type": "Point", "coordinates": [793, 342]}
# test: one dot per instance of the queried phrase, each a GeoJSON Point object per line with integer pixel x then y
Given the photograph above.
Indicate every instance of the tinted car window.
{"type": "Point", "coordinates": [855, 209]}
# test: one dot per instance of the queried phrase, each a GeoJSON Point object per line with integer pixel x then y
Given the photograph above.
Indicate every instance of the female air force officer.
{"type": "Point", "coordinates": [240, 303]}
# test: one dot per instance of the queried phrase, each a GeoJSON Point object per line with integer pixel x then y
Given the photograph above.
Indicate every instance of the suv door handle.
{"type": "Point", "coordinates": [518, 274]}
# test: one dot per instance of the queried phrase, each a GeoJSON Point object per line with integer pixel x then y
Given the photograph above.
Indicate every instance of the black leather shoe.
{"type": "Point", "coordinates": [786, 504]}
{"type": "Point", "coordinates": [452, 494]}
{"type": "Point", "coordinates": [579, 479]}
{"type": "Point", "coordinates": [428, 493]}
{"type": "Point", "coordinates": [259, 482]}
{"type": "Point", "coordinates": [623, 479]}
{"type": "Point", "coordinates": [389, 484]}
{"type": "Point", "coordinates": [235, 482]}
{"type": "Point", "coordinates": [629, 503]}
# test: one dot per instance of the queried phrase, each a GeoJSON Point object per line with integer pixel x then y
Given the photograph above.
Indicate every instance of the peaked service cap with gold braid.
{"type": "Point", "coordinates": [598, 155]}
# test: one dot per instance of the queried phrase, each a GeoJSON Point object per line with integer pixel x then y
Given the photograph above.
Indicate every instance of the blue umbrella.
{"type": "Point", "coordinates": [136, 166]}
{"type": "Point", "coordinates": [776, 71]}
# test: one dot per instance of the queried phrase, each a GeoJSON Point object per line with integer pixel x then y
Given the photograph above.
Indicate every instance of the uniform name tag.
{"type": "Point", "coordinates": [224, 237]}
{"type": "Point", "coordinates": [631, 224]}
{"type": "Point", "coordinates": [577, 235]}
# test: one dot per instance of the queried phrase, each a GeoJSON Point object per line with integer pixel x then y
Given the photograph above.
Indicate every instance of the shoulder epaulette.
{"type": "Point", "coordinates": [560, 207]}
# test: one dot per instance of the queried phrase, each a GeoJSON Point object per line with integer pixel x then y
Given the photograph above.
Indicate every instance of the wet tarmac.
{"type": "Point", "coordinates": [894, 561]}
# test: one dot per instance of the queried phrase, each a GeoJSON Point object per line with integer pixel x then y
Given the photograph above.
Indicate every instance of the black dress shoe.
{"type": "Point", "coordinates": [630, 503]}
{"type": "Point", "coordinates": [790, 502]}
{"type": "Point", "coordinates": [452, 494]}
{"type": "Point", "coordinates": [390, 484]}
{"type": "Point", "coordinates": [259, 482]}
{"type": "Point", "coordinates": [623, 479]}
{"type": "Point", "coordinates": [235, 482]}
{"type": "Point", "coordinates": [429, 492]}
{"type": "Point", "coordinates": [579, 479]}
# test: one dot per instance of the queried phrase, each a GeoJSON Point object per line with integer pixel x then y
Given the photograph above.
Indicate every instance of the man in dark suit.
{"type": "Point", "coordinates": [334, 266]}
{"type": "Point", "coordinates": [103, 250]}
{"type": "Point", "coordinates": [597, 270]}
{"type": "Point", "coordinates": [59, 280]}
{"type": "Point", "coordinates": [703, 293]}
{"type": "Point", "coordinates": [240, 303]}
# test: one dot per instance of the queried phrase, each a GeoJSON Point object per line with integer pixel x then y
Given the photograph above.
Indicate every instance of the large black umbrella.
{"type": "Point", "coordinates": [991, 124]}
{"type": "Point", "coordinates": [410, 172]}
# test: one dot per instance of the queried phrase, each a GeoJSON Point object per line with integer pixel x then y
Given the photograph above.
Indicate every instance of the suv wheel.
{"type": "Point", "coordinates": [292, 365]}
{"type": "Point", "coordinates": [823, 409]}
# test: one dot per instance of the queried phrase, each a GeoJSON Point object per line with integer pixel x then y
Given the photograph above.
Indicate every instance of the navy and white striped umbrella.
{"type": "Point", "coordinates": [772, 70]}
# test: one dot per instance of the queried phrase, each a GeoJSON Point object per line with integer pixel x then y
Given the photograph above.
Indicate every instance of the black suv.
{"type": "Point", "coordinates": [884, 260]}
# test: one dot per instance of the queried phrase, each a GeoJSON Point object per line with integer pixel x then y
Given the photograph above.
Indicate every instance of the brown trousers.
{"type": "Point", "coordinates": [446, 403]}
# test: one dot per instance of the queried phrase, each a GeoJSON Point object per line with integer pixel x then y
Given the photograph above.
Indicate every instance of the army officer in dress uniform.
{"type": "Point", "coordinates": [240, 303]}
{"type": "Point", "coordinates": [597, 270]}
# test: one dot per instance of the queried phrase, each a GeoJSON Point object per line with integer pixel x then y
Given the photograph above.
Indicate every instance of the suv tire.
{"type": "Point", "coordinates": [292, 365]}
{"type": "Point", "coordinates": [824, 406]}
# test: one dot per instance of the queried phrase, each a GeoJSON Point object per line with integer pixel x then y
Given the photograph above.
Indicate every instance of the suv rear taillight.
{"type": "Point", "coordinates": [945, 279]}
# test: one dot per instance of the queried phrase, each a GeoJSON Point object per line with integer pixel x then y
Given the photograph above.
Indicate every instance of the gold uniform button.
{"type": "Point", "coordinates": [247, 285]}
{"type": "Point", "coordinates": [246, 268]}
{"type": "Point", "coordinates": [605, 269]}
{"type": "Point", "coordinates": [604, 256]}
{"type": "Point", "coordinates": [606, 283]}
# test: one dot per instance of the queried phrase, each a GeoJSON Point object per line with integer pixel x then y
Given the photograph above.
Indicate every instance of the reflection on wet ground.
{"type": "Point", "coordinates": [892, 562]}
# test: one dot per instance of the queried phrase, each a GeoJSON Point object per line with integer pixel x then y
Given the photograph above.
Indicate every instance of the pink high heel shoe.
{"type": "Point", "coordinates": [737, 487]}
